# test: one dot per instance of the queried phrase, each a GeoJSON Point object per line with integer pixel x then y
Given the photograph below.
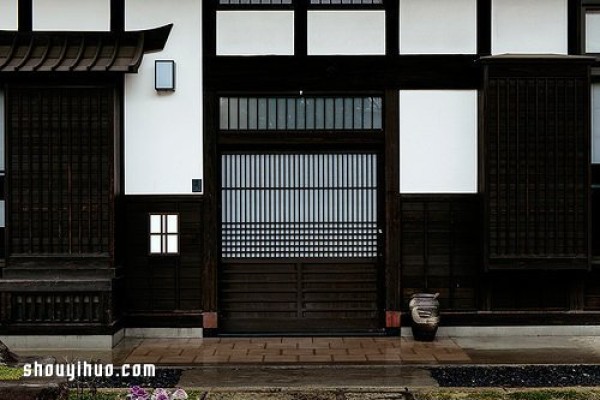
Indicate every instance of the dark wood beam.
{"type": "Point", "coordinates": [211, 203]}
{"type": "Point", "coordinates": [342, 73]}
{"type": "Point", "coordinates": [25, 15]}
{"type": "Point", "coordinates": [117, 15]}
{"type": "Point", "coordinates": [484, 27]}
{"type": "Point", "coordinates": [300, 28]}
{"type": "Point", "coordinates": [392, 27]}
{"type": "Point", "coordinates": [393, 299]}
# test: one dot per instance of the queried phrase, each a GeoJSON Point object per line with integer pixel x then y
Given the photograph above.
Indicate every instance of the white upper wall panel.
{"type": "Point", "coordinates": [438, 26]}
{"type": "Point", "coordinates": [8, 15]}
{"type": "Point", "coordinates": [529, 26]}
{"type": "Point", "coordinates": [592, 32]}
{"type": "Point", "coordinates": [353, 32]}
{"type": "Point", "coordinates": [71, 15]}
{"type": "Point", "coordinates": [438, 141]}
{"type": "Point", "coordinates": [163, 131]}
{"type": "Point", "coordinates": [596, 123]}
{"type": "Point", "coordinates": [255, 33]}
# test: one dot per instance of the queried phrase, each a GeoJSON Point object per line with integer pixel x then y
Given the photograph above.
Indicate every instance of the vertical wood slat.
{"type": "Point", "coordinates": [59, 145]}
{"type": "Point", "coordinates": [342, 229]}
{"type": "Point", "coordinates": [536, 169]}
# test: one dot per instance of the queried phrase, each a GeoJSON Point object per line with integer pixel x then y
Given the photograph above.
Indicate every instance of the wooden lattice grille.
{"type": "Point", "coordinates": [57, 307]}
{"type": "Point", "coordinates": [60, 170]}
{"type": "Point", "coordinates": [299, 205]}
{"type": "Point", "coordinates": [536, 168]}
{"type": "Point", "coordinates": [251, 114]}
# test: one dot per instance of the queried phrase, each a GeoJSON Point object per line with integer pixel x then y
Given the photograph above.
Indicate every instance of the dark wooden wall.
{"type": "Point", "coordinates": [440, 248]}
{"type": "Point", "coordinates": [163, 290]}
{"type": "Point", "coordinates": [536, 156]}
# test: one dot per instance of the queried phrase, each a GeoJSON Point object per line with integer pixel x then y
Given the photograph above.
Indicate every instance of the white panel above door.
{"type": "Point", "coordinates": [71, 15]}
{"type": "Point", "coordinates": [438, 26]}
{"type": "Point", "coordinates": [257, 33]}
{"type": "Point", "coordinates": [8, 15]}
{"type": "Point", "coordinates": [529, 26]}
{"type": "Point", "coordinates": [353, 32]}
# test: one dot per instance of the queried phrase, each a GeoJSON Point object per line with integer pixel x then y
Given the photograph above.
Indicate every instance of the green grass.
{"type": "Point", "coordinates": [10, 373]}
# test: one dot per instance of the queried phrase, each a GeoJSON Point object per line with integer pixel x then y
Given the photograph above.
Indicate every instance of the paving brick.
{"type": "Point", "coordinates": [363, 351]}
{"type": "Point", "coordinates": [313, 345]}
{"type": "Point", "coordinates": [298, 352]}
{"type": "Point", "coordinates": [247, 359]}
{"type": "Point", "coordinates": [256, 345]}
{"type": "Point", "coordinates": [280, 359]}
{"type": "Point", "coordinates": [142, 359]}
{"type": "Point", "coordinates": [264, 352]}
{"type": "Point", "coordinates": [211, 359]}
{"type": "Point", "coordinates": [297, 341]}
{"type": "Point", "coordinates": [411, 357]}
{"type": "Point", "coordinates": [383, 357]}
{"type": "Point", "coordinates": [314, 358]}
{"type": "Point", "coordinates": [452, 357]}
{"type": "Point", "coordinates": [183, 359]}
{"type": "Point", "coordinates": [140, 351]}
{"type": "Point", "coordinates": [331, 351]}
{"type": "Point", "coordinates": [349, 358]}
{"type": "Point", "coordinates": [165, 352]}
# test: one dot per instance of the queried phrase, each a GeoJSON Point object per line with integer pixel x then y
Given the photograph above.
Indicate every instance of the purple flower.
{"type": "Point", "coordinates": [138, 393]}
{"type": "Point", "coordinates": [160, 394]}
{"type": "Point", "coordinates": [179, 394]}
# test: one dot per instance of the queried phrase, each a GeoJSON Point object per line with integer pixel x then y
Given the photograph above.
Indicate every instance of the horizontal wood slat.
{"type": "Point", "coordinates": [272, 296]}
{"type": "Point", "coordinates": [440, 248]}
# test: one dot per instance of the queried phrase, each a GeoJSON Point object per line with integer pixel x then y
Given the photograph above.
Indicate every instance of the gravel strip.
{"type": "Point", "coordinates": [518, 376]}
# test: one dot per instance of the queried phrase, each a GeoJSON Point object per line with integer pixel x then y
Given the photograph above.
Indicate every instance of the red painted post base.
{"type": "Point", "coordinates": [392, 319]}
{"type": "Point", "coordinates": [209, 320]}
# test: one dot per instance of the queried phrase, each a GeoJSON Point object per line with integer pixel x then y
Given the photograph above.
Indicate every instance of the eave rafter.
{"type": "Point", "coordinates": [79, 51]}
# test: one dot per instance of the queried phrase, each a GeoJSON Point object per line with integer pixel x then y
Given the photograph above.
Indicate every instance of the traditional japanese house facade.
{"type": "Point", "coordinates": [297, 166]}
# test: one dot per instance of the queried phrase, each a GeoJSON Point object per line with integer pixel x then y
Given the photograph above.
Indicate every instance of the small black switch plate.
{"type": "Point", "coordinates": [196, 185]}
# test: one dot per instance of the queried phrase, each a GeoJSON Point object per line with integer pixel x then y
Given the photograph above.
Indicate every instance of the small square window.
{"type": "Point", "coordinates": [164, 234]}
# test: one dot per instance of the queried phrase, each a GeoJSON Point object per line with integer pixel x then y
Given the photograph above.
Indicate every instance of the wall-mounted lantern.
{"type": "Point", "coordinates": [164, 75]}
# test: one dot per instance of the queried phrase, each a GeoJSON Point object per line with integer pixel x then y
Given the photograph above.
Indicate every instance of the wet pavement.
{"type": "Point", "coordinates": [349, 362]}
{"type": "Point", "coordinates": [366, 351]}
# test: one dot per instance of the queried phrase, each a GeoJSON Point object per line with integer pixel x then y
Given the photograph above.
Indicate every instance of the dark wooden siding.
{"type": "Point", "coordinates": [440, 248]}
{"type": "Point", "coordinates": [536, 169]}
{"type": "Point", "coordinates": [163, 289]}
{"type": "Point", "coordinates": [60, 170]}
{"type": "Point", "coordinates": [303, 295]}
{"type": "Point", "coordinates": [528, 290]}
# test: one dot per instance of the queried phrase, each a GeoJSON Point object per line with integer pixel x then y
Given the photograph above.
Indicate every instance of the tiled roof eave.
{"type": "Point", "coordinates": [78, 51]}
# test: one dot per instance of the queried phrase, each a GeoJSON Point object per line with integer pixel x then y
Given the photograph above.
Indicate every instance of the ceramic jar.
{"type": "Point", "coordinates": [425, 313]}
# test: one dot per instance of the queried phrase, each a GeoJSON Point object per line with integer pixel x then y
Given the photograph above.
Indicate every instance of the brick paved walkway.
{"type": "Point", "coordinates": [310, 350]}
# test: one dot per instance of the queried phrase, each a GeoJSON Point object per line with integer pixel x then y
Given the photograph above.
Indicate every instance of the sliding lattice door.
{"type": "Point", "coordinates": [300, 240]}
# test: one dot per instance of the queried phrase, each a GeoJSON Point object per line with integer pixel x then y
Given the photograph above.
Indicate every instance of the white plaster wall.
{"type": "Point", "coordinates": [163, 131]}
{"type": "Point", "coordinates": [255, 33]}
{"type": "Point", "coordinates": [529, 26]}
{"type": "Point", "coordinates": [71, 15]}
{"type": "Point", "coordinates": [8, 15]}
{"type": "Point", "coordinates": [596, 123]}
{"type": "Point", "coordinates": [353, 32]}
{"type": "Point", "coordinates": [438, 26]}
{"type": "Point", "coordinates": [438, 141]}
{"type": "Point", "coordinates": [592, 32]}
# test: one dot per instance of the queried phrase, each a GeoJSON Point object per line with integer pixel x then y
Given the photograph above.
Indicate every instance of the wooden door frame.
{"type": "Point", "coordinates": [387, 146]}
